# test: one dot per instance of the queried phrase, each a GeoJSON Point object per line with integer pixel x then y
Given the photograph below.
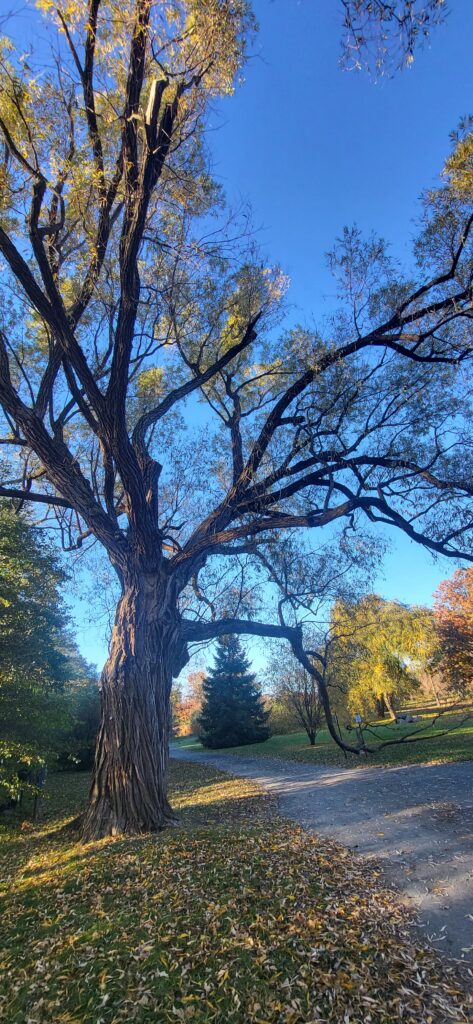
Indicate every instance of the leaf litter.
{"type": "Point", "coordinates": [237, 916]}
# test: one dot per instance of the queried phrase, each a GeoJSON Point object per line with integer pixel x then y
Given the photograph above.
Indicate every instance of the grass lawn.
{"type": "Point", "coordinates": [236, 916]}
{"type": "Point", "coordinates": [454, 746]}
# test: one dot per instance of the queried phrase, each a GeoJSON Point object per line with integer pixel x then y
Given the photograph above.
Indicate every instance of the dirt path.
{"type": "Point", "coordinates": [416, 821]}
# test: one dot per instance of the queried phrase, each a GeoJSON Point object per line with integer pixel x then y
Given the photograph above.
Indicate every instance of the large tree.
{"type": "Point", "coordinates": [123, 305]}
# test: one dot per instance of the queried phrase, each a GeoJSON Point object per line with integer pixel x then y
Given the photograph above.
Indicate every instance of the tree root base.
{"type": "Point", "coordinates": [96, 826]}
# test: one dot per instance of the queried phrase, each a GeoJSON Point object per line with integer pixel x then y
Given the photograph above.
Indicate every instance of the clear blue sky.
{"type": "Point", "coordinates": [313, 148]}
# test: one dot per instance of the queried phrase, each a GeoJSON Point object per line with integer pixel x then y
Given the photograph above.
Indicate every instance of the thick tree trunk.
{"type": "Point", "coordinates": [129, 786]}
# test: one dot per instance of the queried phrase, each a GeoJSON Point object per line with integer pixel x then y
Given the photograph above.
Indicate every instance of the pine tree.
{"type": "Point", "coordinates": [232, 711]}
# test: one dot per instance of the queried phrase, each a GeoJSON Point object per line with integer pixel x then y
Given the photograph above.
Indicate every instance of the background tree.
{"type": "Point", "coordinates": [282, 719]}
{"type": "Point", "coordinates": [195, 683]}
{"type": "Point", "coordinates": [33, 663]}
{"type": "Point", "coordinates": [379, 643]}
{"type": "Point", "coordinates": [425, 657]}
{"type": "Point", "coordinates": [76, 741]}
{"type": "Point", "coordinates": [120, 309]}
{"type": "Point", "coordinates": [298, 693]}
{"type": "Point", "coordinates": [32, 614]}
{"type": "Point", "coordinates": [232, 711]}
{"type": "Point", "coordinates": [47, 691]}
{"type": "Point", "coordinates": [453, 611]}
{"type": "Point", "coordinates": [186, 703]}
{"type": "Point", "coordinates": [176, 706]}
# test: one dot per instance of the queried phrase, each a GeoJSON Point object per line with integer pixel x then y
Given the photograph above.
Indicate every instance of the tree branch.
{"type": "Point", "coordinates": [154, 415]}
{"type": "Point", "coordinates": [35, 496]}
{"type": "Point", "coordinates": [196, 632]}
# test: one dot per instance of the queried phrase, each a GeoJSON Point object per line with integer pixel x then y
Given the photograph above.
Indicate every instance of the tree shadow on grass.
{"type": "Point", "coordinates": [203, 798]}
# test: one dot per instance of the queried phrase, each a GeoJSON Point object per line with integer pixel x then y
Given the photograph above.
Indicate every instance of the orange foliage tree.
{"type": "Point", "coordinates": [453, 610]}
{"type": "Point", "coordinates": [186, 705]}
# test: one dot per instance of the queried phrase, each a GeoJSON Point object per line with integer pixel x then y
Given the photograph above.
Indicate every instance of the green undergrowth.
{"type": "Point", "coordinates": [236, 916]}
{"type": "Point", "coordinates": [449, 739]}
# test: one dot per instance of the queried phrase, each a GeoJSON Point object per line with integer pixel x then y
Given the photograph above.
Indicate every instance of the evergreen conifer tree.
{"type": "Point", "coordinates": [232, 711]}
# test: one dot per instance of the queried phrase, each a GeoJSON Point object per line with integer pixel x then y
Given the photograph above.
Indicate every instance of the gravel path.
{"type": "Point", "coordinates": [416, 821]}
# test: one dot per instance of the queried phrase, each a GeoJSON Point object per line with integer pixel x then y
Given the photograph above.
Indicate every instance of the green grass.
{"type": "Point", "coordinates": [455, 745]}
{"type": "Point", "coordinates": [236, 916]}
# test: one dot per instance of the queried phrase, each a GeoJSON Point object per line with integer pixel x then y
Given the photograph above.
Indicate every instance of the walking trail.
{"type": "Point", "coordinates": [415, 821]}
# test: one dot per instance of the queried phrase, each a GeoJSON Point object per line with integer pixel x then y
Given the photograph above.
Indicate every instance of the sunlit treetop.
{"type": "Point", "coordinates": [110, 66]}
{"type": "Point", "coordinates": [187, 37]}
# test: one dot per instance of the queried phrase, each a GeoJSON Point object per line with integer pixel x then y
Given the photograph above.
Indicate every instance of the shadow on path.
{"type": "Point", "coordinates": [416, 821]}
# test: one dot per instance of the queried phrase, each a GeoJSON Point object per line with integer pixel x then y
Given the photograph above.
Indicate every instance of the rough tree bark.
{"type": "Point", "coordinates": [129, 786]}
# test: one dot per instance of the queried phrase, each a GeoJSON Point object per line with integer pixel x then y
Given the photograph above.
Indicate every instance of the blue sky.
{"type": "Point", "coordinates": [312, 148]}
